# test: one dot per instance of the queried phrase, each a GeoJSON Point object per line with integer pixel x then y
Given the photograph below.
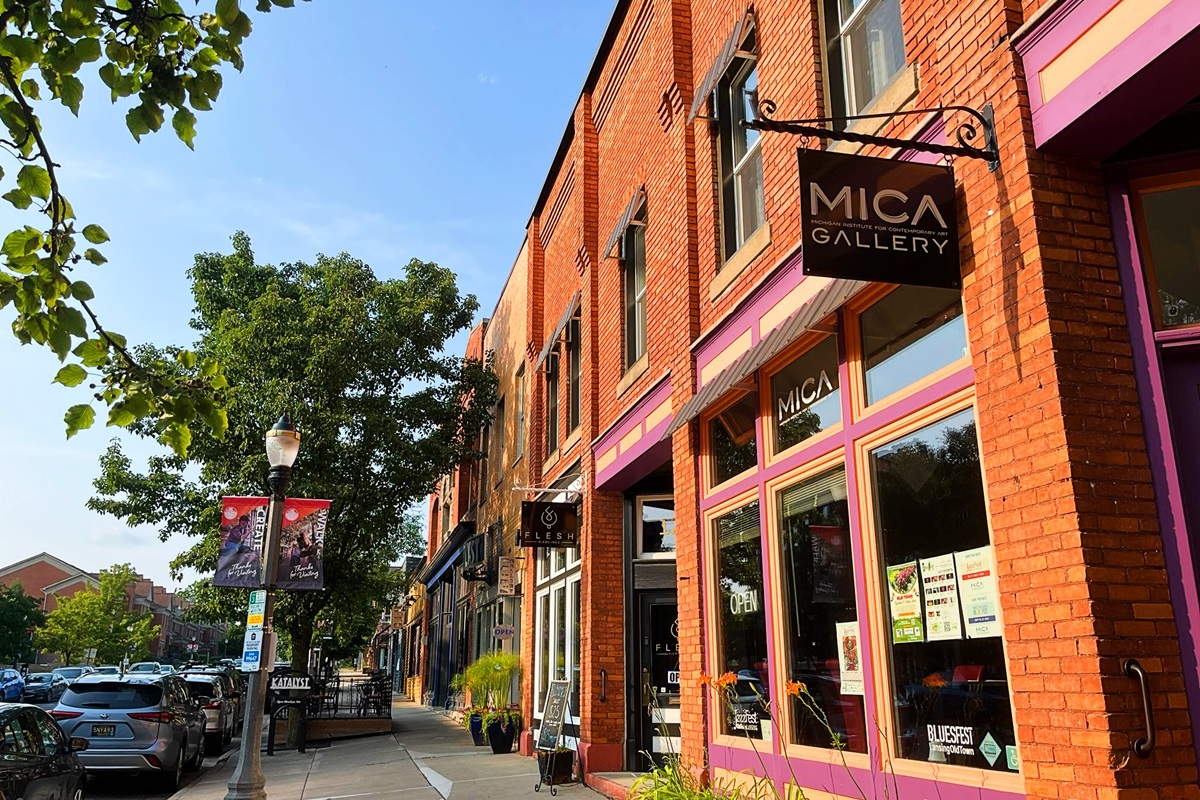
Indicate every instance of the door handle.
{"type": "Point", "coordinates": [647, 689]}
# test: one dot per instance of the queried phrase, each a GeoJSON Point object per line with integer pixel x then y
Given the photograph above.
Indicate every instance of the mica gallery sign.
{"type": "Point", "coordinates": [878, 219]}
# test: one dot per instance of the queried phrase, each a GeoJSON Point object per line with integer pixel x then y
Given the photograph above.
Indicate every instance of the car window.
{"type": "Point", "coordinates": [204, 689]}
{"type": "Point", "coordinates": [112, 695]}
{"type": "Point", "coordinates": [19, 737]}
{"type": "Point", "coordinates": [52, 737]}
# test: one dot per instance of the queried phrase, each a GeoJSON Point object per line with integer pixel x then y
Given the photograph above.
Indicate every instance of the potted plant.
{"type": "Point", "coordinates": [473, 721]}
{"type": "Point", "coordinates": [501, 726]}
{"type": "Point", "coordinates": [556, 766]}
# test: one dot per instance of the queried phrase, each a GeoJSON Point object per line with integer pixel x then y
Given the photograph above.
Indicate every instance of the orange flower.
{"type": "Point", "coordinates": [728, 679]}
{"type": "Point", "coordinates": [796, 688]}
{"type": "Point", "coordinates": [705, 680]}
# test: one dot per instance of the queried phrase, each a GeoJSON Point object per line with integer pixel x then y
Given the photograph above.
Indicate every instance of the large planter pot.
{"type": "Point", "coordinates": [501, 737]}
{"type": "Point", "coordinates": [475, 726]}
{"type": "Point", "coordinates": [556, 768]}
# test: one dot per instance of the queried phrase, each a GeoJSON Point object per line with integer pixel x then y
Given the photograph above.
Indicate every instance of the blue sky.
{"type": "Point", "coordinates": [388, 129]}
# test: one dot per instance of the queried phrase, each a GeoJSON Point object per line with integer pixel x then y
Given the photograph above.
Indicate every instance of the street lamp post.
{"type": "Point", "coordinates": [283, 444]}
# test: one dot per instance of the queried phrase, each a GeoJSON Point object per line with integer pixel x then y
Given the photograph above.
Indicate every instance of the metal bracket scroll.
{"type": "Point", "coordinates": [982, 123]}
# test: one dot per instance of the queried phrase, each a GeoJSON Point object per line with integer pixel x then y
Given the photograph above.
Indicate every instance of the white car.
{"type": "Point", "coordinates": [219, 716]}
{"type": "Point", "coordinates": [145, 668]}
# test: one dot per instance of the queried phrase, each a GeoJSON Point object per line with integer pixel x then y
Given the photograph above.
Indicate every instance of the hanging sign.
{"type": "Point", "coordinates": [878, 219]}
{"type": "Point", "coordinates": [504, 632]}
{"type": "Point", "coordinates": [548, 525]}
{"type": "Point", "coordinates": [302, 547]}
{"type": "Point", "coordinates": [507, 582]}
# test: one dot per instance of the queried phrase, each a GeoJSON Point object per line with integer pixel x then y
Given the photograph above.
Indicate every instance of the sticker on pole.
{"type": "Point", "coordinates": [252, 651]}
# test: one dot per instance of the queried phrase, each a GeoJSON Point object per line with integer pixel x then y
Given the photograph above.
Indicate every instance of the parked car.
{"type": "Point", "coordinates": [145, 667]}
{"type": "Point", "coordinates": [36, 759]}
{"type": "Point", "coordinates": [147, 724]}
{"type": "Point", "coordinates": [44, 687]}
{"type": "Point", "coordinates": [71, 673]}
{"type": "Point", "coordinates": [233, 684]}
{"type": "Point", "coordinates": [12, 686]}
{"type": "Point", "coordinates": [167, 669]}
{"type": "Point", "coordinates": [108, 669]}
{"type": "Point", "coordinates": [209, 691]}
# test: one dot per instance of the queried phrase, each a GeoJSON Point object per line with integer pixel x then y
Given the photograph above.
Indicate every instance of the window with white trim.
{"type": "Point", "coordinates": [633, 267]}
{"type": "Point", "coordinates": [742, 211]}
{"type": "Point", "coordinates": [864, 49]}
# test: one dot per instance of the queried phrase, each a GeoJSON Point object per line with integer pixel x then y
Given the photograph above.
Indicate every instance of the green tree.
{"type": "Point", "coordinates": [162, 60]}
{"type": "Point", "coordinates": [358, 362]}
{"type": "Point", "coordinates": [19, 613]}
{"type": "Point", "coordinates": [99, 619]}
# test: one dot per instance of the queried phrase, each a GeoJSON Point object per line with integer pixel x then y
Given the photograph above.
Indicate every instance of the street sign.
{"type": "Point", "coordinates": [257, 607]}
{"type": "Point", "coordinates": [252, 647]}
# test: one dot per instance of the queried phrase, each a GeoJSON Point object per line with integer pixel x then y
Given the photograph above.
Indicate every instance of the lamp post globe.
{"type": "Point", "coordinates": [283, 445]}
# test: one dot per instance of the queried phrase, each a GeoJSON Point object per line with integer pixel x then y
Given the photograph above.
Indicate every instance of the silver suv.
{"type": "Point", "coordinates": [134, 723]}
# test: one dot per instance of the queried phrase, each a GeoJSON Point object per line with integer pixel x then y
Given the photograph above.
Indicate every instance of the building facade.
{"type": "Point", "coordinates": [922, 528]}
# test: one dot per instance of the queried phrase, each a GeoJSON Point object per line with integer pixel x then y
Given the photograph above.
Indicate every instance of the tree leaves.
{"type": "Point", "coordinates": [166, 57]}
{"type": "Point", "coordinates": [71, 375]}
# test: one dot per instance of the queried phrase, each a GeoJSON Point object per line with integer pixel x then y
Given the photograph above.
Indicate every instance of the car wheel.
{"type": "Point", "coordinates": [172, 779]}
{"type": "Point", "coordinates": [197, 759]}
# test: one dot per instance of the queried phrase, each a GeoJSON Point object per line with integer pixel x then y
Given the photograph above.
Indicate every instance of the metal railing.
{"type": "Point", "coordinates": [350, 696]}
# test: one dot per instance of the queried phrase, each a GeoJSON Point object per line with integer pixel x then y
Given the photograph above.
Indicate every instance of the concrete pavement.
{"type": "Point", "coordinates": [426, 757]}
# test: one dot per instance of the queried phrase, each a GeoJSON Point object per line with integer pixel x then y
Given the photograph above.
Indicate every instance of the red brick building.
{"type": "Point", "coordinates": [950, 506]}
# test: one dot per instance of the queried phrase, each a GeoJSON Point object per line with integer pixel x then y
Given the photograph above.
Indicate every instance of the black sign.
{"type": "Point", "coordinates": [553, 715]}
{"type": "Point", "coordinates": [548, 525]}
{"type": "Point", "coordinates": [291, 686]}
{"type": "Point", "coordinates": [878, 219]}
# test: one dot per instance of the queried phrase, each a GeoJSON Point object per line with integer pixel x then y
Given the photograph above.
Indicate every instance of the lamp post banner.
{"type": "Point", "coordinates": [302, 548]}
{"type": "Point", "coordinates": [243, 528]}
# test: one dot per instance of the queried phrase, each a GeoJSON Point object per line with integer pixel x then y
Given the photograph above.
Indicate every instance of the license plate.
{"type": "Point", "coordinates": [104, 730]}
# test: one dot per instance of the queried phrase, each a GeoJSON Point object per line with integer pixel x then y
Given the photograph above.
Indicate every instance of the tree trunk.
{"type": "Point", "coordinates": [301, 642]}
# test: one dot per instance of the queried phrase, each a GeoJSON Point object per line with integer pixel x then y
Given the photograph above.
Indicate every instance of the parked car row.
{"type": "Point", "coordinates": [36, 759]}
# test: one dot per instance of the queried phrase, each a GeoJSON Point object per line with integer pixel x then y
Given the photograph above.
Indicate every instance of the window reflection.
{"type": "Point", "coordinates": [742, 641]}
{"type": "Point", "coordinates": [734, 439]}
{"type": "Point", "coordinates": [912, 332]}
{"type": "Point", "coordinates": [805, 396]}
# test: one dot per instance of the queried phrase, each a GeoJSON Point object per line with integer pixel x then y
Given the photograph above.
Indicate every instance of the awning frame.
{"type": "Point", "coordinates": [558, 329]}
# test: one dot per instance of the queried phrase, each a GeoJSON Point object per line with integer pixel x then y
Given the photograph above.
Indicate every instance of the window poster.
{"type": "Point", "coordinates": [904, 595]}
{"type": "Point", "coordinates": [939, 585]}
{"type": "Point", "coordinates": [850, 658]}
{"type": "Point", "coordinates": [978, 592]}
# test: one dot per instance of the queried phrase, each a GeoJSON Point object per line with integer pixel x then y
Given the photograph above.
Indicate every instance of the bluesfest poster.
{"type": "Point", "coordinates": [301, 547]}
{"type": "Point", "coordinates": [243, 527]}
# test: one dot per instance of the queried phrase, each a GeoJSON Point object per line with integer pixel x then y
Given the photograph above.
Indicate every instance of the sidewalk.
{"type": "Point", "coordinates": [426, 757]}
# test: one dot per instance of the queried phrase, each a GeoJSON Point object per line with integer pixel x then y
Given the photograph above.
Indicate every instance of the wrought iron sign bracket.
{"type": "Point", "coordinates": [966, 133]}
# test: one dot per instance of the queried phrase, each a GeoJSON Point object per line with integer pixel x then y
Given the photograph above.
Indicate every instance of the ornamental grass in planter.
{"type": "Point", "coordinates": [489, 681]}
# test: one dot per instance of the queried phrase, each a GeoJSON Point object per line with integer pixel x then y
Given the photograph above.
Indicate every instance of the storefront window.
{"type": "Point", "coordinates": [805, 399]}
{"type": "Point", "coordinates": [656, 527]}
{"type": "Point", "coordinates": [949, 680]}
{"type": "Point", "coordinates": [822, 616]}
{"type": "Point", "coordinates": [1172, 237]}
{"type": "Point", "coordinates": [733, 438]}
{"type": "Point", "coordinates": [560, 634]}
{"type": "Point", "coordinates": [912, 332]}
{"type": "Point", "coordinates": [575, 645]}
{"type": "Point", "coordinates": [543, 650]}
{"type": "Point", "coordinates": [742, 640]}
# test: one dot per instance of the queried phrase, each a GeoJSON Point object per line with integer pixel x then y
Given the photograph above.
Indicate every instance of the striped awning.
{"type": "Point", "coordinates": [706, 86]}
{"type": "Point", "coordinates": [615, 237]}
{"type": "Point", "coordinates": [558, 329]}
{"type": "Point", "coordinates": [826, 300]}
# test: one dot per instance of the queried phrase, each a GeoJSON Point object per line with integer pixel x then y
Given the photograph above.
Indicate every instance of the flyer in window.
{"type": "Point", "coordinates": [939, 585]}
{"type": "Point", "coordinates": [904, 595]}
{"type": "Point", "coordinates": [850, 658]}
{"type": "Point", "coordinates": [978, 592]}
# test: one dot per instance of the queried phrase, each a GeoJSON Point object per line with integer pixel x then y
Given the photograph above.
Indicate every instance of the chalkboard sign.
{"type": "Point", "coordinates": [553, 715]}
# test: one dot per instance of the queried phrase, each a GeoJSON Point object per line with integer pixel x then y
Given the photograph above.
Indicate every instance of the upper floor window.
{"type": "Point", "coordinates": [552, 403]}
{"type": "Point", "coordinates": [634, 267]}
{"type": "Point", "coordinates": [484, 446]}
{"type": "Point", "coordinates": [741, 156]}
{"type": "Point", "coordinates": [519, 431]}
{"type": "Point", "coordinates": [498, 439]}
{"type": "Point", "coordinates": [574, 375]}
{"type": "Point", "coordinates": [865, 50]}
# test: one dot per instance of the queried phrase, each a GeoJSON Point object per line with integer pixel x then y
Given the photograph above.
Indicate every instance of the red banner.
{"type": "Point", "coordinates": [301, 547]}
{"type": "Point", "coordinates": [243, 529]}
